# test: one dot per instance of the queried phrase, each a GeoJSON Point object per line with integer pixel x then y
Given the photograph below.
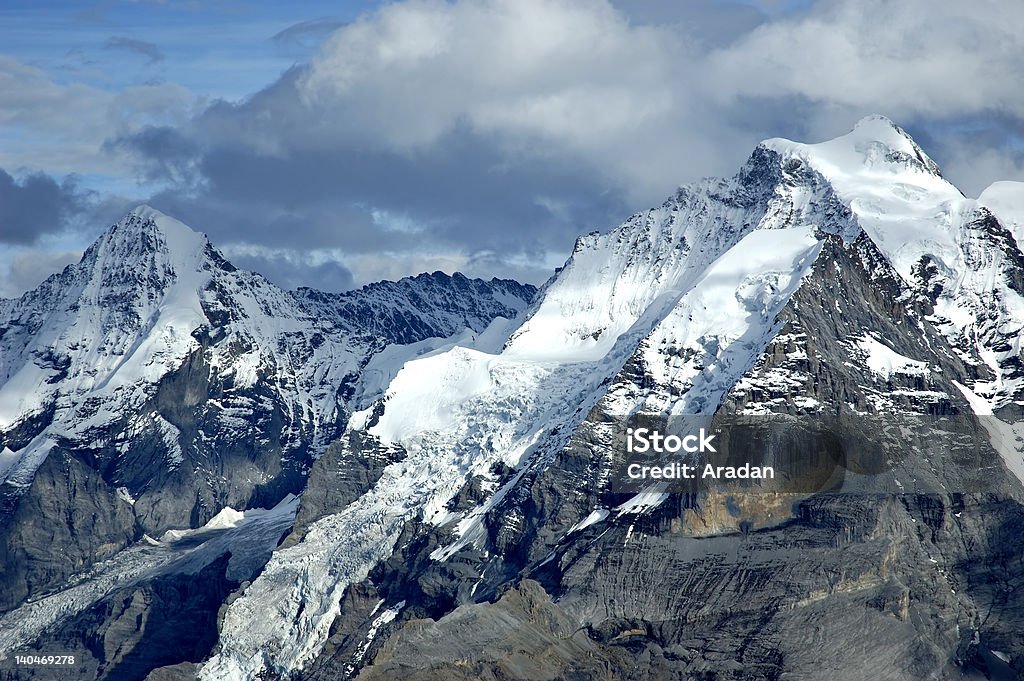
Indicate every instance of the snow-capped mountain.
{"type": "Point", "coordinates": [460, 517]}
{"type": "Point", "coordinates": [179, 385]}
{"type": "Point", "coordinates": [847, 278]}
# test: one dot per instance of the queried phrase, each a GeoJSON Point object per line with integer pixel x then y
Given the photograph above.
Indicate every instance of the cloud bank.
{"type": "Point", "coordinates": [484, 135]}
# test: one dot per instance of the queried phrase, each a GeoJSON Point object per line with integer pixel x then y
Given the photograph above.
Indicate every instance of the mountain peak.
{"type": "Point", "coordinates": [892, 187]}
{"type": "Point", "coordinates": [880, 129]}
{"type": "Point", "coordinates": [875, 144]}
{"type": "Point", "coordinates": [146, 218]}
{"type": "Point", "coordinates": [144, 210]}
{"type": "Point", "coordinates": [145, 233]}
{"type": "Point", "coordinates": [877, 123]}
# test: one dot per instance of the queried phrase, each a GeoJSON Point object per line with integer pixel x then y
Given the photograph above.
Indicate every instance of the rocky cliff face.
{"type": "Point", "coordinates": [425, 306]}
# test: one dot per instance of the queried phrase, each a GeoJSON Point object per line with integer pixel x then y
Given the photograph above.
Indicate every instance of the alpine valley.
{"type": "Point", "coordinates": [205, 476]}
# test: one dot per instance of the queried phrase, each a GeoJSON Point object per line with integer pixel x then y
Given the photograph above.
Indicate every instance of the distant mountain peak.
{"type": "Point", "coordinates": [152, 298]}
{"type": "Point", "coordinates": [875, 143]}
{"type": "Point", "coordinates": [145, 218]}
{"type": "Point", "coordinates": [877, 124]}
{"type": "Point", "coordinates": [145, 230]}
{"type": "Point", "coordinates": [144, 210]}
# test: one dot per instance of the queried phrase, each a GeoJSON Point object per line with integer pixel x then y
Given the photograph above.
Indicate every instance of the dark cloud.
{"type": "Point", "coordinates": [35, 206]}
{"type": "Point", "coordinates": [291, 269]}
{"type": "Point", "coordinates": [163, 153]}
{"type": "Point", "coordinates": [470, 200]}
{"type": "Point", "coordinates": [258, 172]}
{"type": "Point", "coordinates": [146, 49]}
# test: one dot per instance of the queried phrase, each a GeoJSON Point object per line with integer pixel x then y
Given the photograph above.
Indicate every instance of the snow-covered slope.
{"type": "Point", "coordinates": [141, 274]}
{"type": "Point", "coordinates": [89, 361]}
{"type": "Point", "coordinates": [91, 343]}
{"type": "Point", "coordinates": [893, 188]}
{"type": "Point", "coordinates": [665, 313]}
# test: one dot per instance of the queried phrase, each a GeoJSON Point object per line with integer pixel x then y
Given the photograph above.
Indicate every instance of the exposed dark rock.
{"type": "Point", "coordinates": [521, 636]}
{"type": "Point", "coordinates": [68, 519]}
{"type": "Point", "coordinates": [169, 622]}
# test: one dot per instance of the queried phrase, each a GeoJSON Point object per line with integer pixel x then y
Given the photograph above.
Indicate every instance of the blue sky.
{"type": "Point", "coordinates": [336, 143]}
{"type": "Point", "coordinates": [216, 49]}
{"type": "Point", "coordinates": [212, 50]}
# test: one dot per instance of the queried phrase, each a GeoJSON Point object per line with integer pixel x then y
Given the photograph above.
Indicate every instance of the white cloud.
{"type": "Point", "coordinates": [568, 70]}
{"type": "Point", "coordinates": [645, 105]}
{"type": "Point", "coordinates": [908, 57]}
{"type": "Point", "coordinates": [537, 77]}
{"type": "Point", "coordinates": [973, 169]}
{"type": "Point", "coordinates": [61, 128]}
